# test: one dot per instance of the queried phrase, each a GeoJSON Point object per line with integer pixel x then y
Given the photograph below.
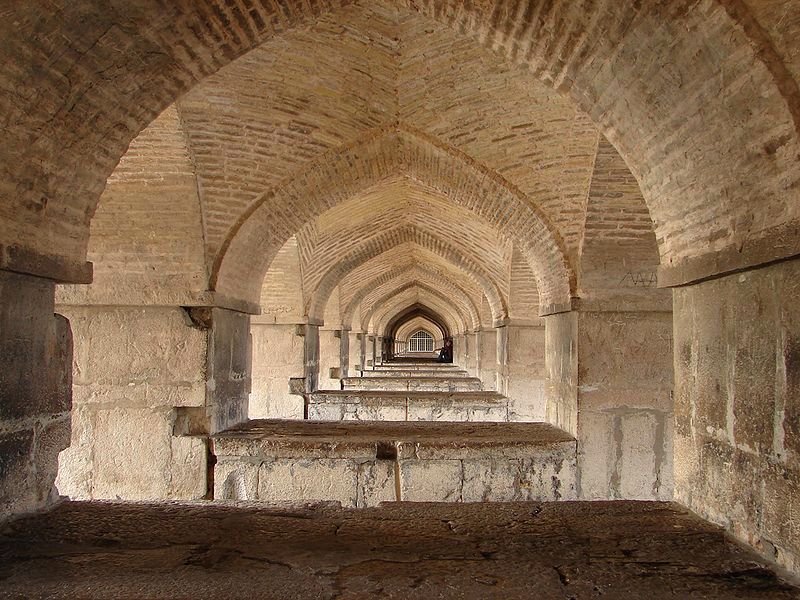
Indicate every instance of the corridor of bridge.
{"type": "Point", "coordinates": [500, 258]}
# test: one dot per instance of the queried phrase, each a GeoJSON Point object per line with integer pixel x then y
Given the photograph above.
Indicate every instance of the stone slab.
{"type": "Point", "coordinates": [422, 384]}
{"type": "Point", "coordinates": [653, 550]}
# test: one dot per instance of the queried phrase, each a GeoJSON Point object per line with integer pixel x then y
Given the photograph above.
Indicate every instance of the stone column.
{"type": "Point", "coordinates": [311, 353]}
{"type": "Point", "coordinates": [363, 346]}
{"type": "Point", "coordinates": [525, 372]}
{"type": "Point", "coordinates": [501, 353]}
{"type": "Point", "coordinates": [229, 368]}
{"type": "Point", "coordinates": [329, 359]}
{"type": "Point", "coordinates": [471, 353]}
{"type": "Point", "coordinates": [278, 356]}
{"type": "Point", "coordinates": [344, 352]}
{"type": "Point", "coordinates": [355, 353]}
{"type": "Point", "coordinates": [145, 376]}
{"type": "Point", "coordinates": [487, 363]}
{"type": "Point", "coordinates": [35, 392]}
{"type": "Point", "coordinates": [371, 352]}
{"type": "Point", "coordinates": [625, 404]}
{"type": "Point", "coordinates": [609, 379]}
{"type": "Point", "coordinates": [737, 405]}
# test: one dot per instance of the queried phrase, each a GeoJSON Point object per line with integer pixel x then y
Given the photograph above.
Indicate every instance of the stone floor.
{"type": "Point", "coordinates": [567, 550]}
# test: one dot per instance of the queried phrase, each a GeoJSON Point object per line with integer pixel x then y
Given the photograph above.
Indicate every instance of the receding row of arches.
{"type": "Point", "coordinates": [272, 196]}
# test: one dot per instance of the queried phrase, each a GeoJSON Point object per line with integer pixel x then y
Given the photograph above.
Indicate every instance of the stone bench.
{"type": "Point", "coordinates": [366, 405]}
{"type": "Point", "coordinates": [413, 373]}
{"type": "Point", "coordinates": [364, 464]}
{"type": "Point", "coordinates": [412, 384]}
{"type": "Point", "coordinates": [410, 366]}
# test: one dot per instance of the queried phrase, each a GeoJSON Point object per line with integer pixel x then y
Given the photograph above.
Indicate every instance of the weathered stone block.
{"type": "Point", "coordinates": [596, 454]}
{"type": "Point", "coordinates": [235, 480]}
{"type": "Point", "coordinates": [431, 480]}
{"type": "Point", "coordinates": [17, 490]}
{"type": "Point", "coordinates": [300, 480]}
{"type": "Point", "coordinates": [188, 468]}
{"type": "Point", "coordinates": [376, 483]}
{"type": "Point", "coordinates": [51, 439]}
{"type": "Point", "coordinates": [132, 454]}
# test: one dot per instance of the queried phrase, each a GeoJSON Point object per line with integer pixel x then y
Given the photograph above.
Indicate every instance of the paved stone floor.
{"type": "Point", "coordinates": [561, 550]}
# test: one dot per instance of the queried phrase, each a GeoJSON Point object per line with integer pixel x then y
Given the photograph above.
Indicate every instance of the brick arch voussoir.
{"type": "Point", "coordinates": [385, 153]}
{"type": "Point", "coordinates": [374, 246]}
{"type": "Point", "coordinates": [67, 134]}
{"type": "Point", "coordinates": [401, 299]}
{"type": "Point", "coordinates": [376, 283]}
{"type": "Point", "coordinates": [380, 287]}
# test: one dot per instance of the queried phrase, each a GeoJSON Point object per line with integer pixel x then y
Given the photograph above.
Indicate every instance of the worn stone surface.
{"type": "Point", "coordinates": [408, 406]}
{"type": "Point", "coordinates": [35, 392]}
{"type": "Point", "coordinates": [625, 404]}
{"type": "Point", "coordinates": [362, 464]}
{"type": "Point", "coordinates": [277, 357]}
{"type": "Point", "coordinates": [505, 551]}
{"type": "Point", "coordinates": [736, 413]}
{"type": "Point", "coordinates": [133, 366]}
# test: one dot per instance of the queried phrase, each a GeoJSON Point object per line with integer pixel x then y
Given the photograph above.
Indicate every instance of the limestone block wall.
{"type": "Point", "coordinates": [561, 370]}
{"type": "Point", "coordinates": [35, 392]}
{"type": "Point", "coordinates": [526, 374]}
{"type": "Point", "coordinates": [229, 367]}
{"type": "Point", "coordinates": [487, 363]}
{"type": "Point", "coordinates": [132, 367]}
{"type": "Point", "coordinates": [625, 405]}
{"type": "Point", "coordinates": [354, 350]}
{"type": "Point", "coordinates": [737, 405]}
{"type": "Point", "coordinates": [329, 359]}
{"type": "Point", "coordinates": [277, 357]}
{"type": "Point", "coordinates": [609, 381]}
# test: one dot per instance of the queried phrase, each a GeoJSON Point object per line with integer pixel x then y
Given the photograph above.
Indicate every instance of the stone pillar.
{"type": "Point", "coordinates": [229, 368]}
{"type": "Point", "coordinates": [561, 370]}
{"type": "Point", "coordinates": [355, 353]}
{"type": "Point", "coordinates": [363, 346]}
{"type": "Point", "coordinates": [458, 350]}
{"type": "Point", "coordinates": [625, 404]}
{"type": "Point", "coordinates": [143, 374]}
{"type": "Point", "coordinates": [525, 372]}
{"type": "Point", "coordinates": [329, 359]}
{"type": "Point", "coordinates": [344, 353]}
{"type": "Point", "coordinates": [35, 392]}
{"type": "Point", "coordinates": [737, 405]}
{"type": "Point", "coordinates": [371, 352]}
{"type": "Point", "coordinates": [501, 354]}
{"type": "Point", "coordinates": [311, 355]}
{"type": "Point", "coordinates": [609, 383]}
{"type": "Point", "coordinates": [487, 364]}
{"type": "Point", "coordinates": [471, 353]}
{"type": "Point", "coordinates": [278, 356]}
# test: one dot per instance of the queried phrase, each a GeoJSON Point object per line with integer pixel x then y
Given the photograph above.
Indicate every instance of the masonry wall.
{"type": "Point", "coordinates": [277, 357]}
{"type": "Point", "coordinates": [329, 359]}
{"type": "Point", "coordinates": [526, 373]}
{"type": "Point", "coordinates": [561, 370]}
{"type": "Point", "coordinates": [132, 367]}
{"type": "Point", "coordinates": [487, 346]}
{"type": "Point", "coordinates": [737, 405]}
{"type": "Point", "coordinates": [625, 405]}
{"type": "Point", "coordinates": [35, 392]}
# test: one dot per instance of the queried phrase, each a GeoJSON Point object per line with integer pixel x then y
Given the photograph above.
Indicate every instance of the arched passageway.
{"type": "Point", "coordinates": [597, 203]}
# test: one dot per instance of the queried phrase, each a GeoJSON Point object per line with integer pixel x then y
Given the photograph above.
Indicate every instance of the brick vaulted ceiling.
{"type": "Point", "coordinates": [701, 99]}
{"type": "Point", "coordinates": [345, 102]}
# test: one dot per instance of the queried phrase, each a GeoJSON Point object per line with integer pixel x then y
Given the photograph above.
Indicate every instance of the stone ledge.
{"type": "Point", "coordinates": [445, 434]}
{"type": "Point", "coordinates": [27, 262]}
{"type": "Point", "coordinates": [775, 245]}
